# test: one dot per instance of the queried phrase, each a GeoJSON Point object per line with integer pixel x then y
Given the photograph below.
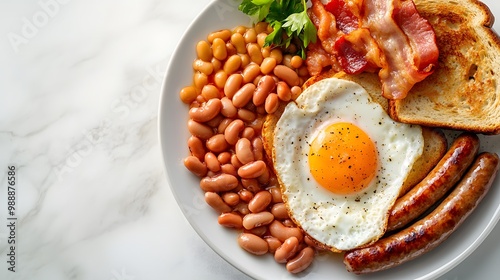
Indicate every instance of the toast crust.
{"type": "Point", "coordinates": [463, 92]}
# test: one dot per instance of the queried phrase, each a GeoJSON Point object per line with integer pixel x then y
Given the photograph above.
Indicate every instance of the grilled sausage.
{"type": "Point", "coordinates": [436, 184]}
{"type": "Point", "coordinates": [429, 232]}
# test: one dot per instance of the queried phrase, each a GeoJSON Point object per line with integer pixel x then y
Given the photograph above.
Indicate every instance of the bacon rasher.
{"type": "Point", "coordinates": [368, 35]}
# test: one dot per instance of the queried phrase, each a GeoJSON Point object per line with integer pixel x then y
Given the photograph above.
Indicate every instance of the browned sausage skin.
{"type": "Point", "coordinates": [436, 184]}
{"type": "Point", "coordinates": [429, 232]}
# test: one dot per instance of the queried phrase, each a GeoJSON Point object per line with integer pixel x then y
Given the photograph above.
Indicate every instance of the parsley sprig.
{"type": "Point", "coordinates": [288, 18]}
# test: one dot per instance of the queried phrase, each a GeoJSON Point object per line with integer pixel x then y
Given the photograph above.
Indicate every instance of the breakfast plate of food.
{"type": "Point", "coordinates": [336, 137]}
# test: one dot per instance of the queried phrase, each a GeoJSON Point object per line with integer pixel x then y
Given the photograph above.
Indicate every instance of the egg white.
{"type": "Point", "coordinates": [341, 222]}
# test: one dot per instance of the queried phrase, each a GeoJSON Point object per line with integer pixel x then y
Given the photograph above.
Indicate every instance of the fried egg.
{"type": "Point", "coordinates": [341, 162]}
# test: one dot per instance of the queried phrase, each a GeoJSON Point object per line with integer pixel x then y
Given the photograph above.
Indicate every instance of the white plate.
{"type": "Point", "coordinates": [185, 187]}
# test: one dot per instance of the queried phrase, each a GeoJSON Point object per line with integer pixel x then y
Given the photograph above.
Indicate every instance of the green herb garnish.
{"type": "Point", "coordinates": [288, 18]}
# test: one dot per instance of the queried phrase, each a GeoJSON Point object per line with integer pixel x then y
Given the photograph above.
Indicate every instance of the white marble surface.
{"type": "Point", "coordinates": [79, 85]}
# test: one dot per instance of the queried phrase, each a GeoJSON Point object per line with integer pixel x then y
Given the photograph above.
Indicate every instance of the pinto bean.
{"type": "Point", "coordinates": [252, 169]}
{"type": "Point", "coordinates": [220, 183]}
{"type": "Point", "coordinates": [302, 261]}
{"type": "Point", "coordinates": [253, 220]}
{"type": "Point", "coordinates": [253, 243]}
{"type": "Point", "coordinates": [216, 202]}
{"type": "Point", "coordinates": [206, 112]}
{"type": "Point", "coordinates": [287, 250]}
{"type": "Point", "coordinates": [230, 220]}
{"type": "Point", "coordinates": [260, 201]}
{"type": "Point", "coordinates": [281, 232]}
{"type": "Point", "coordinates": [194, 165]}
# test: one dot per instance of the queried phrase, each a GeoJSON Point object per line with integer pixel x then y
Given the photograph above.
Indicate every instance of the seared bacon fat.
{"type": "Point", "coordinates": [369, 35]}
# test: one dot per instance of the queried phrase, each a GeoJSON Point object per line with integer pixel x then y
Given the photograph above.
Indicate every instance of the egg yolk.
{"type": "Point", "coordinates": [343, 159]}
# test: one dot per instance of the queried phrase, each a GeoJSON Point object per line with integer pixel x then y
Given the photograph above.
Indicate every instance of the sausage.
{"type": "Point", "coordinates": [436, 184]}
{"type": "Point", "coordinates": [430, 231]}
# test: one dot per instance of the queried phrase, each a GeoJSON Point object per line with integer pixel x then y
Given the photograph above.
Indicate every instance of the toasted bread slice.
{"type": "Point", "coordinates": [435, 143]}
{"type": "Point", "coordinates": [463, 92]}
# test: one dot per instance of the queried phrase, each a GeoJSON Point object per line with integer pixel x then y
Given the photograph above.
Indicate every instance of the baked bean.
{"type": "Point", "coordinates": [273, 243]}
{"type": "Point", "coordinates": [261, 27]}
{"type": "Point", "coordinates": [216, 202]}
{"type": "Point", "coordinates": [242, 208]}
{"type": "Point", "coordinates": [212, 162]}
{"type": "Point", "coordinates": [232, 64]}
{"type": "Point", "coordinates": [250, 36]}
{"type": "Point", "coordinates": [253, 50]}
{"type": "Point", "coordinates": [292, 48]}
{"type": "Point", "coordinates": [220, 79]}
{"type": "Point", "coordinates": [223, 125]}
{"type": "Point", "coordinates": [229, 169]}
{"type": "Point", "coordinates": [278, 230]}
{"type": "Point", "coordinates": [231, 49]}
{"type": "Point", "coordinates": [296, 61]}
{"type": "Point", "coordinates": [204, 51]}
{"type": "Point", "coordinates": [188, 94]}
{"type": "Point", "coordinates": [287, 75]}
{"type": "Point", "coordinates": [264, 178]}
{"type": "Point", "coordinates": [272, 103]}
{"type": "Point", "coordinates": [248, 133]}
{"type": "Point", "coordinates": [216, 63]}
{"type": "Point", "coordinates": [276, 193]}
{"type": "Point", "coordinates": [252, 243]}
{"type": "Point", "coordinates": [210, 92]}
{"type": "Point", "coordinates": [253, 220]}
{"type": "Point", "coordinates": [259, 231]}
{"type": "Point", "coordinates": [250, 72]}
{"type": "Point", "coordinates": [220, 183]}
{"type": "Point", "coordinates": [283, 91]}
{"type": "Point", "coordinates": [279, 211]}
{"type": "Point", "coordinates": [239, 43]}
{"type": "Point", "coordinates": [258, 148]}
{"type": "Point", "coordinates": [264, 87]}
{"type": "Point", "coordinates": [266, 52]}
{"type": "Point", "coordinates": [243, 95]}
{"type": "Point", "coordinates": [217, 143]}
{"type": "Point", "coordinates": [205, 67]}
{"type": "Point", "coordinates": [224, 35]}
{"type": "Point", "coordinates": [287, 250]}
{"type": "Point", "coordinates": [246, 115]}
{"type": "Point", "coordinates": [207, 111]}
{"type": "Point", "coordinates": [245, 195]}
{"type": "Point", "coordinates": [200, 80]}
{"type": "Point", "coordinates": [252, 169]}
{"type": "Point", "coordinates": [277, 55]}
{"type": "Point", "coordinates": [296, 91]}
{"type": "Point", "coordinates": [232, 85]}
{"type": "Point", "coordinates": [219, 49]}
{"type": "Point", "coordinates": [235, 161]}
{"type": "Point", "coordinates": [251, 185]}
{"type": "Point", "coordinates": [288, 223]}
{"type": "Point", "coordinates": [233, 130]}
{"type": "Point", "coordinates": [196, 147]}
{"type": "Point", "coordinates": [260, 201]}
{"type": "Point", "coordinates": [199, 130]}
{"type": "Point", "coordinates": [230, 220]}
{"type": "Point", "coordinates": [227, 108]}
{"type": "Point", "coordinates": [302, 261]}
{"type": "Point", "coordinates": [231, 198]}
{"type": "Point", "coordinates": [261, 39]}
{"type": "Point", "coordinates": [302, 71]}
{"type": "Point", "coordinates": [243, 151]}
{"type": "Point", "coordinates": [194, 165]}
{"type": "Point", "coordinates": [215, 122]}
{"type": "Point", "coordinates": [240, 29]}
{"type": "Point", "coordinates": [245, 60]}
{"type": "Point", "coordinates": [268, 65]}
{"type": "Point", "coordinates": [224, 157]}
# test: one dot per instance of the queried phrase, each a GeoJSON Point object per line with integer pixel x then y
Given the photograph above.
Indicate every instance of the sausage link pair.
{"type": "Point", "coordinates": [432, 230]}
{"type": "Point", "coordinates": [436, 184]}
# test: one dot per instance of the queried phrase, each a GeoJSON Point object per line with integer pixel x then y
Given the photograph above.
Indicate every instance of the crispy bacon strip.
{"type": "Point", "coordinates": [401, 72]}
{"type": "Point", "coordinates": [400, 42]}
